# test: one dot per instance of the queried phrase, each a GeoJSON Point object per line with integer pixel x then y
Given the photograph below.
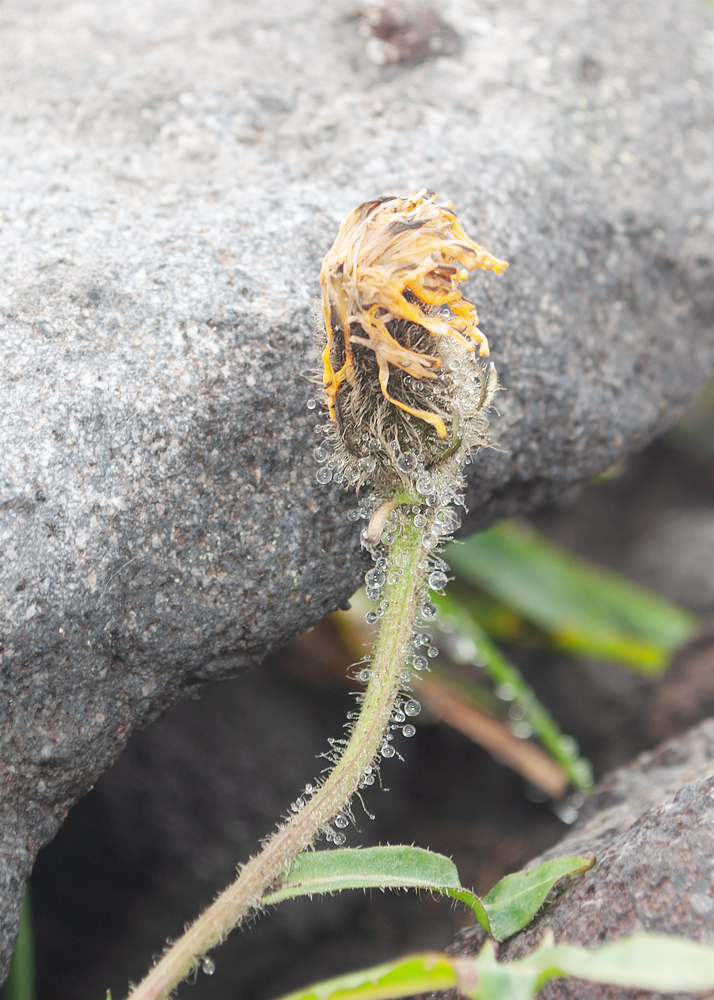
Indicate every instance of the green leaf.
{"type": "Point", "coordinates": [515, 900]}
{"type": "Point", "coordinates": [483, 978]}
{"type": "Point", "coordinates": [586, 610]}
{"type": "Point", "coordinates": [509, 906]}
{"type": "Point", "coordinates": [405, 977]}
{"type": "Point", "coordinates": [647, 962]}
{"type": "Point", "coordinates": [390, 867]}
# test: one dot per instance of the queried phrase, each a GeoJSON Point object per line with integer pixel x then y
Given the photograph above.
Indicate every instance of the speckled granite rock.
{"type": "Point", "coordinates": [172, 174]}
{"type": "Point", "coordinates": [651, 826]}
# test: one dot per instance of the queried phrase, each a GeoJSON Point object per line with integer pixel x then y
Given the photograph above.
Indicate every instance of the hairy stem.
{"type": "Point", "coordinates": [299, 832]}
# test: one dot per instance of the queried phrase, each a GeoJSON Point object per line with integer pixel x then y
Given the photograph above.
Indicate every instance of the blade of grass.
{"type": "Point", "coordinates": [562, 748]}
{"type": "Point", "coordinates": [452, 706]}
{"type": "Point", "coordinates": [587, 610]}
{"type": "Point", "coordinates": [20, 982]}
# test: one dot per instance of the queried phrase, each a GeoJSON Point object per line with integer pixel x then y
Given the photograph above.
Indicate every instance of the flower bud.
{"type": "Point", "coordinates": [404, 387]}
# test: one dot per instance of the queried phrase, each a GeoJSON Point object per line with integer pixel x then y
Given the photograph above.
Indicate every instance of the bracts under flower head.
{"type": "Point", "coordinates": [405, 391]}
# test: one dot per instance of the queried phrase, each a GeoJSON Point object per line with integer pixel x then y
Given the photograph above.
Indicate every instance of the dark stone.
{"type": "Point", "coordinates": [170, 183]}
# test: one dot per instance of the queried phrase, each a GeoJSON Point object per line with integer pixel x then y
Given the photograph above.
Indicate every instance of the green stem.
{"type": "Point", "coordinates": [299, 832]}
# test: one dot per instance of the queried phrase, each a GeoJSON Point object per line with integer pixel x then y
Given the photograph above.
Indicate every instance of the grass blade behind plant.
{"type": "Point", "coordinates": [20, 982]}
{"type": "Point", "coordinates": [562, 748]}
{"type": "Point", "coordinates": [586, 610]}
{"type": "Point", "coordinates": [454, 705]}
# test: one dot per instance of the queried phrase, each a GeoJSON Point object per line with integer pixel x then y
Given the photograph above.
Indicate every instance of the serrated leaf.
{"type": "Point", "coordinates": [413, 974]}
{"type": "Point", "coordinates": [515, 900]}
{"type": "Point", "coordinates": [586, 610]}
{"type": "Point", "coordinates": [389, 867]}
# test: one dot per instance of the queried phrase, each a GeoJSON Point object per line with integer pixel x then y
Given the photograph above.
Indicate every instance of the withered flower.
{"type": "Point", "coordinates": [403, 386]}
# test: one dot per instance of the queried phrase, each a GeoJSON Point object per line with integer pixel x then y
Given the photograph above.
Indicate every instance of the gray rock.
{"type": "Point", "coordinates": [650, 827]}
{"type": "Point", "coordinates": [172, 174]}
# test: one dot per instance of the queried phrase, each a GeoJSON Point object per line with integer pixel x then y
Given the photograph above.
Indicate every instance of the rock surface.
{"type": "Point", "coordinates": [172, 174]}
{"type": "Point", "coordinates": [651, 826]}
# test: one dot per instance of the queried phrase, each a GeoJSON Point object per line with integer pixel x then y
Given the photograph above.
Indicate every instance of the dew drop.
{"type": "Point", "coordinates": [339, 839]}
{"type": "Point", "coordinates": [311, 404]}
{"type": "Point", "coordinates": [387, 751]}
{"type": "Point", "coordinates": [394, 577]}
{"type": "Point", "coordinates": [428, 611]}
{"type": "Point", "coordinates": [375, 579]}
{"type": "Point", "coordinates": [432, 651]}
{"type": "Point", "coordinates": [341, 821]}
{"type": "Point", "coordinates": [365, 674]}
{"type": "Point", "coordinates": [416, 384]}
{"type": "Point", "coordinates": [208, 966]}
{"type": "Point", "coordinates": [371, 617]}
{"type": "Point", "coordinates": [566, 813]}
{"type": "Point", "coordinates": [521, 730]}
{"type": "Point", "coordinates": [399, 716]}
{"type": "Point", "coordinates": [506, 692]}
{"type": "Point", "coordinates": [425, 485]}
{"type": "Point", "coordinates": [412, 708]}
{"type": "Point", "coordinates": [438, 580]}
{"type": "Point", "coordinates": [408, 730]}
{"type": "Point", "coordinates": [353, 515]}
{"type": "Point", "coordinates": [321, 454]}
{"type": "Point", "coordinates": [407, 462]}
{"type": "Point", "coordinates": [464, 650]}
{"type": "Point", "coordinates": [323, 475]}
{"type": "Point", "coordinates": [383, 605]}
{"type": "Point", "coordinates": [420, 663]}
{"type": "Point", "coordinates": [373, 595]}
{"type": "Point", "coordinates": [367, 465]}
{"type": "Point", "coordinates": [419, 521]}
{"type": "Point", "coordinates": [368, 779]}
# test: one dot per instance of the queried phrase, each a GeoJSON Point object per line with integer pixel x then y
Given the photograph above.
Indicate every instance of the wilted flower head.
{"type": "Point", "coordinates": [403, 385]}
